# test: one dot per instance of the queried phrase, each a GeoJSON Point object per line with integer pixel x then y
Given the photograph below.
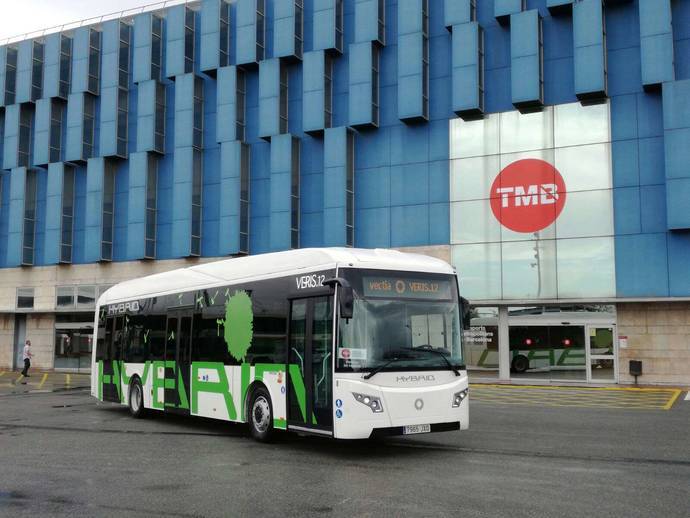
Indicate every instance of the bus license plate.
{"type": "Point", "coordinates": [417, 428]}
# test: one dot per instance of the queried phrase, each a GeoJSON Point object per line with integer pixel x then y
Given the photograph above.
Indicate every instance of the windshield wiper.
{"type": "Point", "coordinates": [381, 367]}
{"type": "Point", "coordinates": [445, 358]}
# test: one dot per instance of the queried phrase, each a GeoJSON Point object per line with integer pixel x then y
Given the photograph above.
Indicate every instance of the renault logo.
{"type": "Point", "coordinates": [419, 404]}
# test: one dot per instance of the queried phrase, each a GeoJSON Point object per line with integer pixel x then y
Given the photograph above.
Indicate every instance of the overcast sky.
{"type": "Point", "coordinates": [22, 16]}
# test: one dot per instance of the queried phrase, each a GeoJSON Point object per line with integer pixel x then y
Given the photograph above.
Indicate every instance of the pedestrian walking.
{"type": "Point", "coordinates": [27, 358]}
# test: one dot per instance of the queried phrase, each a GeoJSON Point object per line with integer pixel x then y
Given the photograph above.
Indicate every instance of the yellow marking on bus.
{"type": "Point", "coordinates": [68, 380]}
{"type": "Point", "coordinates": [673, 399]}
{"type": "Point", "coordinates": [43, 380]}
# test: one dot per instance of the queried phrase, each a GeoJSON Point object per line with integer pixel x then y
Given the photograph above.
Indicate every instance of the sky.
{"type": "Point", "coordinates": [22, 16]}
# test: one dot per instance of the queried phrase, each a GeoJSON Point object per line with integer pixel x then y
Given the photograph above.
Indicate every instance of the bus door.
{"type": "Point", "coordinates": [177, 360]}
{"type": "Point", "coordinates": [310, 372]}
{"type": "Point", "coordinates": [114, 341]}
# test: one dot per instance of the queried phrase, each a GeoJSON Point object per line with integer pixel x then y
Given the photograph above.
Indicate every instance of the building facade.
{"type": "Point", "coordinates": [541, 146]}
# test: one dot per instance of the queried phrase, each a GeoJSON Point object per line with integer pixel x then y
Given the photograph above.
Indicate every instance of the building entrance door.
{"type": "Point", "coordinates": [19, 337]}
{"type": "Point", "coordinates": [602, 354]}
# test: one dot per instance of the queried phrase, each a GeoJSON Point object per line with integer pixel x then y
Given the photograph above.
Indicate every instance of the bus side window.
{"type": "Point", "coordinates": [208, 343]}
{"type": "Point", "coordinates": [136, 340]}
{"type": "Point", "coordinates": [155, 325]}
{"type": "Point", "coordinates": [271, 308]}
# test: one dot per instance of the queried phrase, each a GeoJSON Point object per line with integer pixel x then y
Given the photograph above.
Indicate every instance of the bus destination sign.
{"type": "Point", "coordinates": [406, 288]}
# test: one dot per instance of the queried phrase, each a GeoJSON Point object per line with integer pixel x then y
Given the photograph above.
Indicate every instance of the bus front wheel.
{"type": "Point", "coordinates": [136, 398]}
{"type": "Point", "coordinates": [520, 364]}
{"type": "Point", "coordinates": [261, 415]}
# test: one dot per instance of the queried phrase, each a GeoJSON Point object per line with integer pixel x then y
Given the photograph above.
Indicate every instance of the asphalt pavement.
{"type": "Point", "coordinates": [64, 454]}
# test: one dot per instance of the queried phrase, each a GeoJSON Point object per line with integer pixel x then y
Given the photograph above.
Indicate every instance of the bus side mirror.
{"type": "Point", "coordinates": [465, 312]}
{"type": "Point", "coordinates": [346, 298]}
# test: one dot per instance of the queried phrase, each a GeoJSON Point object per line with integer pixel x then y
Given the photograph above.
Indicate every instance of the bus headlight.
{"type": "Point", "coordinates": [458, 397]}
{"type": "Point", "coordinates": [372, 402]}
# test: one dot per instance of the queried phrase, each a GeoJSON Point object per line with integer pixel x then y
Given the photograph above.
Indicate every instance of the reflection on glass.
{"type": "Point", "coordinates": [474, 138]}
{"type": "Point", "coordinates": [545, 351]}
{"type": "Point", "coordinates": [586, 267]}
{"type": "Point", "coordinates": [586, 214]}
{"type": "Point", "coordinates": [529, 269]}
{"type": "Point", "coordinates": [473, 222]}
{"type": "Point", "coordinates": [528, 131]}
{"type": "Point", "coordinates": [479, 269]}
{"type": "Point", "coordinates": [481, 341]}
{"type": "Point", "coordinates": [587, 167]}
{"type": "Point", "coordinates": [575, 125]}
{"type": "Point", "coordinates": [471, 178]}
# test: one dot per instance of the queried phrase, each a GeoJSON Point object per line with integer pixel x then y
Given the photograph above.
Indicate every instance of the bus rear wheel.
{"type": "Point", "coordinates": [261, 415]}
{"type": "Point", "coordinates": [520, 364]}
{"type": "Point", "coordinates": [136, 398]}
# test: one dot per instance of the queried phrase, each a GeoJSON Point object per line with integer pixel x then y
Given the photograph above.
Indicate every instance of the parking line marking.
{"type": "Point", "coordinates": [672, 400]}
{"type": "Point", "coordinates": [687, 396]}
{"type": "Point", "coordinates": [2, 373]}
{"type": "Point", "coordinates": [45, 377]}
{"type": "Point", "coordinates": [581, 397]}
{"type": "Point", "coordinates": [68, 380]}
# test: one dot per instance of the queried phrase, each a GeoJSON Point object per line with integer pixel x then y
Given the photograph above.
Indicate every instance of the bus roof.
{"type": "Point", "coordinates": [275, 264]}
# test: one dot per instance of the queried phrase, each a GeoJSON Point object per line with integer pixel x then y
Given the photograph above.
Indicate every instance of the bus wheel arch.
{"type": "Point", "coordinates": [259, 411]}
{"type": "Point", "coordinates": [520, 363]}
{"type": "Point", "coordinates": [135, 397]}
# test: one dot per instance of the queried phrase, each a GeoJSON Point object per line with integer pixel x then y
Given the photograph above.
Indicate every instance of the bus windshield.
{"type": "Point", "coordinates": [403, 321]}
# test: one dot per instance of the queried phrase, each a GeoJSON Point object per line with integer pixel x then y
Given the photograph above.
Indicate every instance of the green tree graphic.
{"type": "Point", "coordinates": [239, 324]}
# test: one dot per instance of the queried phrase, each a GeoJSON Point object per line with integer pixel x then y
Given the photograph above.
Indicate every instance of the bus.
{"type": "Point", "coordinates": [543, 339]}
{"type": "Point", "coordinates": [336, 342]}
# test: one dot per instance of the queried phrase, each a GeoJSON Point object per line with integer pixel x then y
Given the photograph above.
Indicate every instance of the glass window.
{"type": "Point", "coordinates": [586, 268]}
{"type": "Point", "coordinates": [480, 341]}
{"type": "Point", "coordinates": [479, 269]}
{"type": "Point", "coordinates": [473, 222]}
{"type": "Point", "coordinates": [66, 230]}
{"type": "Point", "coordinates": [526, 131]}
{"type": "Point", "coordinates": [25, 298]}
{"type": "Point", "coordinates": [295, 194]}
{"type": "Point", "coordinates": [86, 296]}
{"type": "Point", "coordinates": [29, 218]}
{"type": "Point", "coordinates": [474, 138]}
{"type": "Point", "coordinates": [108, 211]}
{"type": "Point", "coordinates": [283, 98]}
{"type": "Point", "coordinates": [65, 297]}
{"type": "Point", "coordinates": [198, 112]}
{"type": "Point", "coordinates": [260, 29]}
{"type": "Point", "coordinates": [471, 178]}
{"type": "Point", "coordinates": [529, 269]}
{"type": "Point", "coordinates": [575, 124]}
{"type": "Point", "coordinates": [240, 105]}
{"type": "Point", "coordinates": [586, 214]}
{"type": "Point", "coordinates": [588, 167]}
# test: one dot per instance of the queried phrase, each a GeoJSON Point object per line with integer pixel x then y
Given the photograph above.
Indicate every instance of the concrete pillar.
{"type": "Point", "coordinates": [503, 345]}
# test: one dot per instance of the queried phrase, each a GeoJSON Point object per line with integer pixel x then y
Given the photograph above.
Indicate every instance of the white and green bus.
{"type": "Point", "coordinates": [344, 343]}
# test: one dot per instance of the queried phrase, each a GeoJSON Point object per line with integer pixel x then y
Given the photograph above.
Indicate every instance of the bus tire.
{"type": "Point", "coordinates": [135, 401]}
{"type": "Point", "coordinates": [520, 364]}
{"type": "Point", "coordinates": [260, 415]}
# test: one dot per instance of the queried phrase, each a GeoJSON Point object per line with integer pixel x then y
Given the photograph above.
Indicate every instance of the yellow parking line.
{"type": "Point", "coordinates": [672, 400]}
{"type": "Point", "coordinates": [68, 380]}
{"type": "Point", "coordinates": [549, 387]}
{"type": "Point", "coordinates": [20, 377]}
{"type": "Point", "coordinates": [43, 380]}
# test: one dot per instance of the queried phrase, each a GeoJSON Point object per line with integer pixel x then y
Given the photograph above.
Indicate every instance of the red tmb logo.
{"type": "Point", "coordinates": [528, 195]}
